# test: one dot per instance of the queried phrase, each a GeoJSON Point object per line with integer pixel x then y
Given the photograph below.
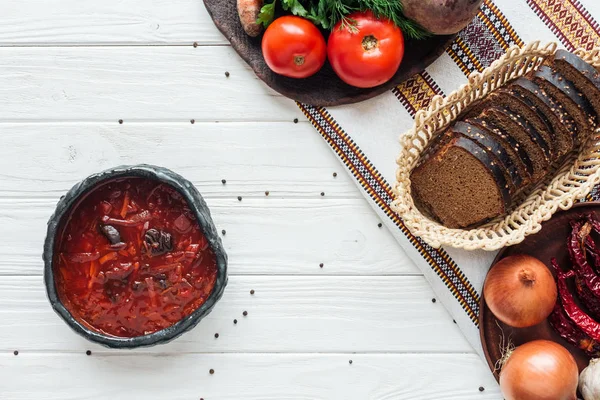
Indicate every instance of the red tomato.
{"type": "Point", "coordinates": [367, 55]}
{"type": "Point", "coordinates": [294, 47]}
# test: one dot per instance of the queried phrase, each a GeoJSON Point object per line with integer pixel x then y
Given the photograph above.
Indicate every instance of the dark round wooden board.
{"type": "Point", "coordinates": [549, 242]}
{"type": "Point", "coordinates": [324, 88]}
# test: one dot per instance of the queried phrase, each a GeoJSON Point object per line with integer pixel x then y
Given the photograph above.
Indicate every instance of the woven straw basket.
{"type": "Point", "coordinates": [570, 183]}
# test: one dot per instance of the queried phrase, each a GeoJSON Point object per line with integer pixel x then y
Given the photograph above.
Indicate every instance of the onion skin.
{"type": "Point", "coordinates": [540, 370]}
{"type": "Point", "coordinates": [520, 291]}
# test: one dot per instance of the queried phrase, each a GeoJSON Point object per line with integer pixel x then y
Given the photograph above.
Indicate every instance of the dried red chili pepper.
{"type": "Point", "coordinates": [576, 314]}
{"type": "Point", "coordinates": [591, 245]}
{"type": "Point", "coordinates": [587, 282]}
{"type": "Point", "coordinates": [592, 249]}
{"type": "Point", "coordinates": [571, 332]}
{"type": "Point", "coordinates": [591, 302]}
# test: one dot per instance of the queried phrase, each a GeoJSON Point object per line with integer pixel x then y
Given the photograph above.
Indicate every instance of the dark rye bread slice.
{"type": "Point", "coordinates": [564, 92]}
{"type": "Point", "coordinates": [525, 134]}
{"type": "Point", "coordinates": [489, 142]}
{"type": "Point", "coordinates": [563, 125]}
{"type": "Point", "coordinates": [515, 150]}
{"type": "Point", "coordinates": [517, 105]}
{"type": "Point", "coordinates": [460, 185]}
{"type": "Point", "coordinates": [584, 76]}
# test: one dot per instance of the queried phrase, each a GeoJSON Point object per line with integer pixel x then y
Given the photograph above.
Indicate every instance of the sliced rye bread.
{"type": "Point", "coordinates": [488, 142]}
{"type": "Point", "coordinates": [564, 92]}
{"type": "Point", "coordinates": [517, 105]}
{"type": "Point", "coordinates": [460, 185]}
{"type": "Point", "coordinates": [525, 134]}
{"type": "Point", "coordinates": [516, 152]}
{"type": "Point", "coordinates": [583, 76]}
{"type": "Point", "coordinates": [563, 125]}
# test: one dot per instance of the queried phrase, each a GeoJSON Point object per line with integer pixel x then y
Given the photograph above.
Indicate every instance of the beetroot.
{"type": "Point", "coordinates": [441, 17]}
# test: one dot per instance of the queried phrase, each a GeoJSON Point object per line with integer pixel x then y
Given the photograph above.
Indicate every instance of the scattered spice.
{"type": "Point", "coordinates": [380, 225]}
{"type": "Point", "coordinates": [223, 232]}
{"type": "Point", "coordinates": [245, 313]}
{"type": "Point", "coordinates": [89, 352]}
{"type": "Point", "coordinates": [227, 74]}
{"type": "Point", "coordinates": [192, 121]}
{"type": "Point", "coordinates": [321, 265]}
{"type": "Point", "coordinates": [322, 193]}
{"type": "Point", "coordinates": [267, 193]}
{"type": "Point", "coordinates": [239, 198]}
{"type": "Point", "coordinates": [295, 120]}
{"type": "Point", "coordinates": [235, 321]}
{"type": "Point", "coordinates": [16, 352]}
{"type": "Point", "coordinates": [216, 335]}
{"type": "Point", "coordinates": [481, 388]}
{"type": "Point", "coordinates": [335, 174]}
{"type": "Point", "coordinates": [120, 121]}
{"type": "Point", "coordinates": [223, 181]}
{"type": "Point", "coordinates": [252, 291]}
{"type": "Point", "coordinates": [211, 371]}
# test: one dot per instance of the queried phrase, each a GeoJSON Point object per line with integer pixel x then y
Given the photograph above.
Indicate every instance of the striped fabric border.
{"type": "Point", "coordinates": [415, 94]}
{"type": "Point", "coordinates": [483, 40]}
{"type": "Point", "coordinates": [381, 192]}
{"type": "Point", "coordinates": [569, 21]}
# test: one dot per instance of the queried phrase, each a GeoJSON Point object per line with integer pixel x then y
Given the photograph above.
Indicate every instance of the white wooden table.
{"type": "Point", "coordinates": [363, 326]}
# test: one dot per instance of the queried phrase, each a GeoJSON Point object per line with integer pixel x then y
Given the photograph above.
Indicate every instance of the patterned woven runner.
{"type": "Point", "coordinates": [365, 136]}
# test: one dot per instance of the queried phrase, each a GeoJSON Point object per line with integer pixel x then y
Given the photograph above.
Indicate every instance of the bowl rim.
{"type": "Point", "coordinates": [203, 216]}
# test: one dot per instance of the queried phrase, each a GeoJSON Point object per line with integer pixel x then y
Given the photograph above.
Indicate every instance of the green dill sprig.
{"type": "Point", "coordinates": [327, 13]}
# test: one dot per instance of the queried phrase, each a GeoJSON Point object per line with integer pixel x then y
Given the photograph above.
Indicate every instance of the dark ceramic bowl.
{"type": "Point", "coordinates": [204, 219]}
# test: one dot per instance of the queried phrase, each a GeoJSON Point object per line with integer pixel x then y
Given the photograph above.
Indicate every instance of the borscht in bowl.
{"type": "Point", "coordinates": [132, 257]}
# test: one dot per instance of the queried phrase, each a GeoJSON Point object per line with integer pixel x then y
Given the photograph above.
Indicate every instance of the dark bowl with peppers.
{"type": "Point", "coordinates": [569, 246]}
{"type": "Point", "coordinates": [132, 257]}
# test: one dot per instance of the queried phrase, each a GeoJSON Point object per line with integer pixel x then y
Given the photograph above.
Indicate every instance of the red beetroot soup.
{"type": "Point", "coordinates": [131, 259]}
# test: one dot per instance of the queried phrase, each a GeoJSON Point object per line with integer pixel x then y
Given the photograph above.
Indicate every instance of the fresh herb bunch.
{"type": "Point", "coordinates": [327, 13]}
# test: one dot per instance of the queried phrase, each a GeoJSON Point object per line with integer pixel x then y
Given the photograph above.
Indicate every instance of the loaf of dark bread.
{"type": "Point", "coordinates": [518, 106]}
{"type": "Point", "coordinates": [507, 143]}
{"type": "Point", "coordinates": [527, 137]}
{"type": "Point", "coordinates": [583, 76]}
{"type": "Point", "coordinates": [515, 150]}
{"type": "Point", "coordinates": [564, 92]}
{"type": "Point", "coordinates": [563, 125]}
{"type": "Point", "coordinates": [457, 176]}
{"type": "Point", "coordinates": [496, 149]}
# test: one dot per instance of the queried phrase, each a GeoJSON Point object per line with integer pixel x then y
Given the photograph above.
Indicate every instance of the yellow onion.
{"type": "Point", "coordinates": [540, 370]}
{"type": "Point", "coordinates": [520, 291]}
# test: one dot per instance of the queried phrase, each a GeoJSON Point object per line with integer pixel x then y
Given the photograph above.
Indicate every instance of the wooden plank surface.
{"type": "Point", "coordinates": [285, 315]}
{"type": "Point", "coordinates": [142, 83]}
{"type": "Point", "coordinates": [115, 22]}
{"type": "Point", "coordinates": [285, 158]}
{"type": "Point", "coordinates": [59, 376]}
{"type": "Point", "coordinates": [263, 236]}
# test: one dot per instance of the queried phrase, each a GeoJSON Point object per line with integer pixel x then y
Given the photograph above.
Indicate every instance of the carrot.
{"type": "Point", "coordinates": [93, 272]}
{"type": "Point", "coordinates": [125, 204]}
{"type": "Point", "coordinates": [248, 11]}
{"type": "Point", "coordinates": [108, 257]}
